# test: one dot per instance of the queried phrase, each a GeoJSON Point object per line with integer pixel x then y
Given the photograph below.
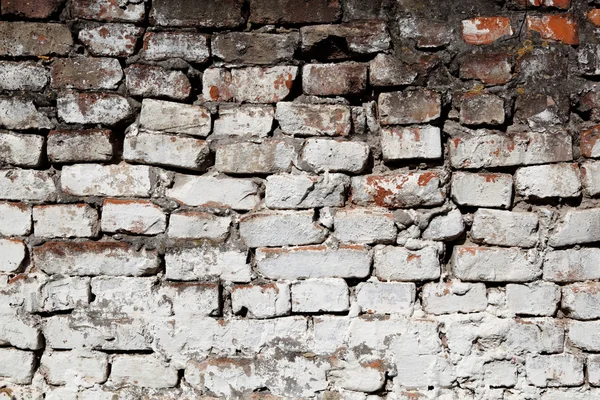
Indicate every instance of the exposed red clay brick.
{"type": "Point", "coordinates": [561, 28]}
{"type": "Point", "coordinates": [485, 30]}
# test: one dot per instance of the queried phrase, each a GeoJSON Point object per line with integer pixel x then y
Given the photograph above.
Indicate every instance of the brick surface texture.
{"type": "Point", "coordinates": [300, 199]}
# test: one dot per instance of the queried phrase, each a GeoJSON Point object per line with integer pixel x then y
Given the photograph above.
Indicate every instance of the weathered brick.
{"type": "Point", "coordinates": [23, 150]}
{"type": "Point", "coordinates": [400, 264]}
{"type": "Point", "coordinates": [171, 117]}
{"type": "Point", "coordinates": [505, 228]}
{"type": "Point", "coordinates": [65, 220]}
{"type": "Point", "coordinates": [584, 335]}
{"type": "Point", "coordinates": [387, 70]}
{"type": "Point", "coordinates": [334, 79]}
{"type": "Point", "coordinates": [577, 226]}
{"type": "Point", "coordinates": [168, 150]}
{"type": "Point", "coordinates": [482, 189]}
{"type": "Point", "coordinates": [266, 157]}
{"type": "Point", "coordinates": [196, 263]}
{"type": "Point", "coordinates": [240, 373]}
{"type": "Point", "coordinates": [414, 106]}
{"type": "Point", "coordinates": [262, 301]}
{"type": "Point", "coordinates": [79, 146]}
{"type": "Point", "coordinates": [17, 366]}
{"type": "Point", "coordinates": [198, 225]}
{"type": "Point", "coordinates": [581, 300]}
{"type": "Point", "coordinates": [386, 297]}
{"type": "Point", "coordinates": [589, 59]}
{"type": "Point", "coordinates": [18, 113]}
{"type": "Point", "coordinates": [15, 219]}
{"type": "Point", "coordinates": [212, 14]}
{"type": "Point", "coordinates": [593, 367]}
{"type": "Point", "coordinates": [193, 299]}
{"type": "Point", "coordinates": [93, 108]}
{"type": "Point", "coordinates": [495, 264]}
{"type": "Point", "coordinates": [541, 65]}
{"type": "Point", "coordinates": [445, 227]}
{"type": "Point", "coordinates": [554, 370]}
{"type": "Point", "coordinates": [74, 73]}
{"type": "Point", "coordinates": [34, 39]}
{"type": "Point", "coordinates": [453, 297]}
{"type": "Point", "coordinates": [254, 48]}
{"type": "Point", "coordinates": [365, 37]}
{"type": "Point", "coordinates": [562, 28]}
{"type": "Point", "coordinates": [125, 370]}
{"type": "Point", "coordinates": [121, 180]}
{"type": "Point", "coordinates": [590, 176]}
{"type": "Point", "coordinates": [140, 217]}
{"type": "Point", "coordinates": [353, 261]}
{"type": "Point", "coordinates": [427, 33]}
{"type": "Point", "coordinates": [294, 11]}
{"type": "Point", "coordinates": [485, 30]}
{"type": "Point", "coordinates": [19, 332]}
{"type": "Point", "coordinates": [13, 254]}
{"type": "Point", "coordinates": [108, 10]}
{"type": "Point", "coordinates": [593, 16]}
{"type": "Point", "coordinates": [111, 40]}
{"type": "Point", "coordinates": [321, 155]}
{"type": "Point", "coordinates": [63, 294]}
{"type": "Point", "coordinates": [572, 265]}
{"type": "Point", "coordinates": [320, 295]}
{"type": "Point", "coordinates": [35, 9]}
{"type": "Point", "coordinates": [213, 191]}
{"type": "Point", "coordinates": [26, 184]}
{"type": "Point", "coordinates": [415, 189]}
{"type": "Point", "coordinates": [244, 120]}
{"type": "Point", "coordinates": [481, 108]}
{"type": "Point", "coordinates": [490, 69]}
{"type": "Point", "coordinates": [543, 181]}
{"type": "Point", "coordinates": [588, 142]}
{"type": "Point", "coordinates": [58, 366]}
{"type": "Point", "coordinates": [313, 119]}
{"type": "Point", "coordinates": [541, 111]}
{"type": "Point", "coordinates": [484, 149]}
{"type": "Point", "coordinates": [26, 76]}
{"type": "Point", "coordinates": [280, 228]}
{"type": "Point", "coordinates": [399, 143]}
{"type": "Point", "coordinates": [366, 226]}
{"type": "Point", "coordinates": [537, 299]}
{"type": "Point", "coordinates": [94, 258]}
{"type": "Point", "coordinates": [154, 81]}
{"type": "Point", "coordinates": [250, 85]}
{"type": "Point", "coordinates": [188, 46]}
{"type": "Point", "coordinates": [500, 373]}
{"type": "Point", "coordinates": [306, 191]}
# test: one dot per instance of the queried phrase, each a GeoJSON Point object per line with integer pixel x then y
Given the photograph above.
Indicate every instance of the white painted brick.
{"type": "Point", "coordinates": [116, 40]}
{"type": "Point", "coordinates": [281, 228]}
{"type": "Point", "coordinates": [189, 46]}
{"type": "Point", "coordinates": [79, 145]}
{"type": "Point", "coordinates": [386, 297]}
{"type": "Point", "coordinates": [94, 258]}
{"type": "Point", "coordinates": [585, 335]}
{"type": "Point", "coordinates": [581, 300]}
{"type": "Point", "coordinates": [590, 175]}
{"type": "Point", "coordinates": [399, 143]}
{"type": "Point", "coordinates": [577, 226]}
{"type": "Point", "coordinates": [593, 369]}
{"type": "Point", "coordinates": [445, 227]}
{"type": "Point", "coordinates": [63, 294]}
{"type": "Point", "coordinates": [554, 370]}
{"type": "Point", "coordinates": [387, 70]}
{"type": "Point", "coordinates": [267, 157]}
{"type": "Point", "coordinates": [64, 221]}
{"type": "Point", "coordinates": [313, 119]}
{"type": "Point", "coordinates": [21, 150]}
{"type": "Point", "coordinates": [321, 155]}
{"type": "Point", "coordinates": [224, 377]}
{"type": "Point", "coordinates": [171, 117]}
{"type": "Point", "coordinates": [543, 181]}
{"type": "Point", "coordinates": [17, 366]}
{"type": "Point", "coordinates": [26, 184]}
{"type": "Point", "coordinates": [92, 108]}
{"type": "Point", "coordinates": [500, 374]}
{"type": "Point", "coordinates": [15, 219]}
{"type": "Point", "coordinates": [140, 217]}
{"type": "Point", "coordinates": [361, 225]}
{"type": "Point", "coordinates": [306, 191]}
{"type": "Point", "coordinates": [262, 300]}
{"type": "Point", "coordinates": [198, 225]}
{"type": "Point", "coordinates": [12, 252]}
{"type": "Point", "coordinates": [27, 76]}
{"type": "Point", "coordinates": [454, 297]}
{"type": "Point", "coordinates": [126, 370]}
{"type": "Point", "coordinates": [358, 377]}
{"type": "Point", "coordinates": [313, 262]}
{"type": "Point", "coordinates": [505, 228]}
{"type": "Point", "coordinates": [15, 331]}
{"type": "Point", "coordinates": [18, 113]}
{"type": "Point", "coordinates": [207, 263]}
{"type": "Point", "coordinates": [399, 264]}
{"type": "Point", "coordinates": [411, 106]}
{"type": "Point", "coordinates": [121, 180]}
{"type": "Point", "coordinates": [244, 120]}
{"type": "Point", "coordinates": [495, 264]}
{"type": "Point", "coordinates": [572, 265]}
{"type": "Point", "coordinates": [320, 295]}
{"type": "Point", "coordinates": [192, 299]}
{"type": "Point", "coordinates": [84, 368]}
{"type": "Point", "coordinates": [213, 191]}
{"type": "Point", "coordinates": [113, 298]}
{"type": "Point", "coordinates": [540, 299]}
{"type": "Point", "coordinates": [482, 190]}
{"type": "Point", "coordinates": [156, 81]}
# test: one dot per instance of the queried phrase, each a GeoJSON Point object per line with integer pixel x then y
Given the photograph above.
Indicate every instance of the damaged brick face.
{"type": "Point", "coordinates": [299, 199]}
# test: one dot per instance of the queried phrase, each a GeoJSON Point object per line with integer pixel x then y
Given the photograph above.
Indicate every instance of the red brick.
{"type": "Point", "coordinates": [561, 4]}
{"type": "Point", "coordinates": [153, 81]}
{"type": "Point", "coordinates": [30, 8]}
{"type": "Point", "coordinates": [107, 10]}
{"type": "Point", "coordinates": [113, 40]}
{"type": "Point", "coordinates": [294, 11]}
{"type": "Point", "coordinates": [594, 16]}
{"type": "Point", "coordinates": [562, 28]}
{"type": "Point", "coordinates": [74, 73]}
{"type": "Point", "coordinates": [206, 14]}
{"type": "Point", "coordinates": [485, 30]}
{"type": "Point", "coordinates": [334, 79]}
{"type": "Point", "coordinates": [589, 138]}
{"type": "Point", "coordinates": [490, 69]}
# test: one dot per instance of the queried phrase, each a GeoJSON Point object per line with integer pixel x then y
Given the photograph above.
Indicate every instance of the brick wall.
{"type": "Point", "coordinates": [307, 199]}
